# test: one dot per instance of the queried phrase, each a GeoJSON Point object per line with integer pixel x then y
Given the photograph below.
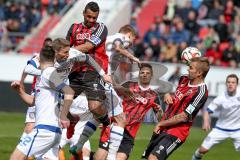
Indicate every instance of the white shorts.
{"type": "Point", "coordinates": [216, 136]}
{"type": "Point", "coordinates": [80, 107]}
{"type": "Point", "coordinates": [77, 132]}
{"type": "Point", "coordinates": [30, 115]}
{"type": "Point", "coordinates": [41, 143]}
{"type": "Point", "coordinates": [113, 102]}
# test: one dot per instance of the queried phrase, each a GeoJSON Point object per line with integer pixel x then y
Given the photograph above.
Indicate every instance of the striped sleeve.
{"type": "Point", "coordinates": [99, 35]}
{"type": "Point", "coordinates": [197, 102]}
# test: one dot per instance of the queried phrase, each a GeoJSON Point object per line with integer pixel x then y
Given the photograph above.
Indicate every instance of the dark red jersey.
{"type": "Point", "coordinates": [79, 33]}
{"type": "Point", "coordinates": [189, 99]}
{"type": "Point", "coordinates": [136, 109]}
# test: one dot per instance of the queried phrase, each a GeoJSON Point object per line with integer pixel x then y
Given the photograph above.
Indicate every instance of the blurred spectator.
{"type": "Point", "coordinates": [180, 34]}
{"type": "Point", "coordinates": [139, 47]}
{"type": "Point", "coordinates": [229, 11]}
{"type": "Point", "coordinates": [213, 54]}
{"type": "Point", "coordinates": [148, 55]}
{"type": "Point", "coordinates": [222, 29]}
{"type": "Point", "coordinates": [229, 55]}
{"type": "Point", "coordinates": [216, 10]}
{"type": "Point", "coordinates": [169, 54]}
{"type": "Point", "coordinates": [152, 32]}
{"type": "Point", "coordinates": [154, 45]}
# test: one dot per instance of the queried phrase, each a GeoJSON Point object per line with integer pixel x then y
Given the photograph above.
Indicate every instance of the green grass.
{"type": "Point", "coordinates": [11, 126]}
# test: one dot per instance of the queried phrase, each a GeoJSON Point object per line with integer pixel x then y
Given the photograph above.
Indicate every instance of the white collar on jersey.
{"type": "Point", "coordinates": [143, 89]}
{"type": "Point", "coordinates": [201, 84]}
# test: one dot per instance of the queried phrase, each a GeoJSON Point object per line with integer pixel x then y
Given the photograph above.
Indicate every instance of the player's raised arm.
{"type": "Point", "coordinates": [81, 57]}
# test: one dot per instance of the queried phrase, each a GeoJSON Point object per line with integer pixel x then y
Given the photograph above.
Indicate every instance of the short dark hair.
{"type": "Point", "coordinates": [93, 6]}
{"type": "Point", "coordinates": [128, 29]}
{"type": "Point", "coordinates": [232, 76]}
{"type": "Point", "coordinates": [47, 53]}
{"type": "Point", "coordinates": [146, 65]}
{"type": "Point", "coordinates": [47, 41]}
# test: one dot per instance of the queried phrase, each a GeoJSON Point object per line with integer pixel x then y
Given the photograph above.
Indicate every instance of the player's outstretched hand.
{"type": "Point", "coordinates": [65, 123]}
{"type": "Point", "coordinates": [157, 128]}
{"type": "Point", "coordinates": [121, 120]}
{"type": "Point", "coordinates": [16, 85]}
{"type": "Point", "coordinates": [107, 78]}
{"type": "Point", "coordinates": [206, 126]}
{"type": "Point", "coordinates": [168, 99]}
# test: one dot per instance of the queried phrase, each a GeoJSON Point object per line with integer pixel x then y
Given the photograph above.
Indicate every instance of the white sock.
{"type": "Point", "coordinates": [89, 129]}
{"type": "Point", "coordinates": [116, 136]}
{"type": "Point", "coordinates": [197, 155]}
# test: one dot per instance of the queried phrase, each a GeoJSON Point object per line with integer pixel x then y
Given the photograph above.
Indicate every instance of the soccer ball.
{"type": "Point", "coordinates": [189, 53]}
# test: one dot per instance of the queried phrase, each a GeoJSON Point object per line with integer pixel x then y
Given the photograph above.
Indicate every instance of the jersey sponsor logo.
{"type": "Point", "coordinates": [190, 109]}
{"type": "Point", "coordinates": [141, 99]}
{"type": "Point", "coordinates": [95, 39]}
{"type": "Point", "coordinates": [81, 36]}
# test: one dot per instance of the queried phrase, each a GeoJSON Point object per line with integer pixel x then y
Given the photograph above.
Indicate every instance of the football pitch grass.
{"type": "Point", "coordinates": [11, 127]}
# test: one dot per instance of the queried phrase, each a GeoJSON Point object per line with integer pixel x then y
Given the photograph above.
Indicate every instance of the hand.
{"type": "Point", "coordinates": [168, 99]}
{"type": "Point", "coordinates": [121, 120]}
{"type": "Point", "coordinates": [206, 126]}
{"type": "Point", "coordinates": [65, 123]}
{"type": "Point", "coordinates": [157, 128]}
{"type": "Point", "coordinates": [16, 85]}
{"type": "Point", "coordinates": [107, 78]}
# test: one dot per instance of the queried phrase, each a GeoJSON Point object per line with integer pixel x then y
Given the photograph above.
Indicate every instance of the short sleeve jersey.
{"type": "Point", "coordinates": [189, 99]}
{"type": "Point", "coordinates": [136, 109]}
{"type": "Point", "coordinates": [78, 34]}
{"type": "Point", "coordinates": [229, 108]}
{"type": "Point", "coordinates": [47, 99]}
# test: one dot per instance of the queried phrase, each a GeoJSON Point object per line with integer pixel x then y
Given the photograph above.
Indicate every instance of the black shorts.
{"type": "Point", "coordinates": [88, 82]}
{"type": "Point", "coordinates": [126, 145]}
{"type": "Point", "coordinates": [163, 145]}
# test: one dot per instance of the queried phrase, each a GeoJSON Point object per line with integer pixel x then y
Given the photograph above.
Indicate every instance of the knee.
{"type": "Point", "coordinates": [203, 150]}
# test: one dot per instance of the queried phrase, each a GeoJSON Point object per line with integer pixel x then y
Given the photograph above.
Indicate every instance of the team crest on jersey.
{"type": "Point", "coordinates": [189, 92]}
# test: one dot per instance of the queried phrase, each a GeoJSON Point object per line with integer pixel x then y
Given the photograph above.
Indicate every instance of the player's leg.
{"type": "Point", "coordinates": [165, 146]}
{"type": "Point", "coordinates": [30, 120]}
{"type": "Point", "coordinates": [17, 155]}
{"type": "Point", "coordinates": [29, 123]}
{"type": "Point", "coordinates": [115, 110]}
{"type": "Point", "coordinates": [214, 137]}
{"type": "Point", "coordinates": [86, 149]}
{"type": "Point", "coordinates": [102, 151]}
{"type": "Point", "coordinates": [236, 140]}
{"type": "Point", "coordinates": [116, 135]}
{"type": "Point", "coordinates": [152, 143]}
{"type": "Point", "coordinates": [125, 147]}
{"type": "Point", "coordinates": [64, 140]}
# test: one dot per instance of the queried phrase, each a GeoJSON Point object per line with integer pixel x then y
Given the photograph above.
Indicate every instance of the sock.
{"type": "Point", "coordinates": [197, 155]}
{"type": "Point", "coordinates": [61, 155]}
{"type": "Point", "coordinates": [116, 136]}
{"type": "Point", "coordinates": [104, 119]}
{"type": "Point", "coordinates": [89, 129]}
